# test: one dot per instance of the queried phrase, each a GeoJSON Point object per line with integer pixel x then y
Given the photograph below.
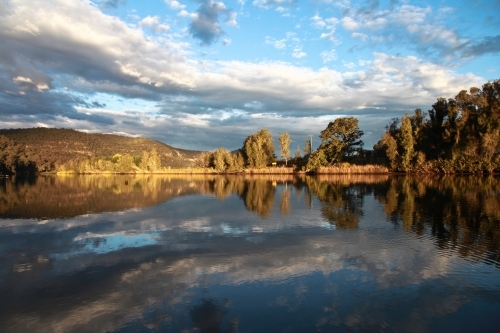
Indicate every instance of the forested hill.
{"type": "Point", "coordinates": [47, 148]}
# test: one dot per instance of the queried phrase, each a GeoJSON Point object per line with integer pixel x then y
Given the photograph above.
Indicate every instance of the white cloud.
{"type": "Point", "coordinates": [175, 4]}
{"type": "Point", "coordinates": [359, 35]}
{"type": "Point", "coordinates": [232, 19]}
{"type": "Point", "coordinates": [318, 22]}
{"type": "Point", "coordinates": [278, 44]}
{"type": "Point", "coordinates": [298, 53]}
{"type": "Point", "coordinates": [150, 21]}
{"type": "Point", "coordinates": [328, 56]}
{"type": "Point", "coordinates": [330, 25]}
{"type": "Point", "coordinates": [90, 52]}
{"type": "Point", "coordinates": [349, 23]}
{"type": "Point", "coordinates": [185, 13]}
{"type": "Point", "coordinates": [407, 14]}
{"type": "Point", "coordinates": [153, 22]}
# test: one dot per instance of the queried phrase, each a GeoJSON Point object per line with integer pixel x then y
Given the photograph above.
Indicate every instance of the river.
{"type": "Point", "coordinates": [282, 253]}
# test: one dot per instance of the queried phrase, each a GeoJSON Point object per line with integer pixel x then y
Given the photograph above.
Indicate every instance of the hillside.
{"type": "Point", "coordinates": [44, 149]}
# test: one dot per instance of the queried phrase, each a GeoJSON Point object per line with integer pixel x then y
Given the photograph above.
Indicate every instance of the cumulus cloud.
{"type": "Point", "coordinates": [349, 23]}
{"type": "Point", "coordinates": [328, 24]}
{"type": "Point", "coordinates": [328, 56]}
{"type": "Point", "coordinates": [205, 22]}
{"type": "Point", "coordinates": [174, 4]}
{"type": "Point", "coordinates": [298, 53]}
{"type": "Point", "coordinates": [52, 70]}
{"type": "Point", "coordinates": [153, 22]}
{"type": "Point", "coordinates": [278, 44]}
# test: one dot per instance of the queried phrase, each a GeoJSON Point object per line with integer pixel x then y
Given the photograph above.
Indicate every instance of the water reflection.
{"type": "Point", "coordinates": [460, 212]}
{"type": "Point", "coordinates": [250, 253]}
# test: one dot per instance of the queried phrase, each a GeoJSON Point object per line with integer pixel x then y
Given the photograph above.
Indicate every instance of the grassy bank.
{"type": "Point", "coordinates": [346, 168]}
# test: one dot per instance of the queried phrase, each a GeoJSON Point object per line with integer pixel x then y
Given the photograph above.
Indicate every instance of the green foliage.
{"type": "Point", "coordinates": [341, 139]}
{"type": "Point", "coordinates": [285, 141]}
{"type": "Point", "coordinates": [462, 134]}
{"type": "Point", "coordinates": [47, 149]}
{"type": "Point", "coordinates": [259, 149]}
{"type": "Point", "coordinates": [316, 160]}
{"type": "Point", "coordinates": [238, 161]}
{"type": "Point", "coordinates": [118, 163]}
{"type": "Point", "coordinates": [222, 160]}
{"type": "Point", "coordinates": [406, 143]}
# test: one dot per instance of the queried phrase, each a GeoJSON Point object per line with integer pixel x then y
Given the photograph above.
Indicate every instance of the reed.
{"type": "Point", "coordinates": [271, 170]}
{"type": "Point", "coordinates": [346, 168]}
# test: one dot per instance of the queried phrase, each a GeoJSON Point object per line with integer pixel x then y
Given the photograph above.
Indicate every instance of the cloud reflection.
{"type": "Point", "coordinates": [199, 259]}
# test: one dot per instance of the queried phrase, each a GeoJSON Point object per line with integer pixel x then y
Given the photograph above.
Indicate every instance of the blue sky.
{"type": "Point", "coordinates": [204, 74]}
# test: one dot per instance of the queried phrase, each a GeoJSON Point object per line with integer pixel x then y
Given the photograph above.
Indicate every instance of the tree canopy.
{"type": "Point", "coordinates": [285, 141]}
{"type": "Point", "coordinates": [341, 139]}
{"type": "Point", "coordinates": [461, 134]}
{"type": "Point", "coordinates": [259, 149]}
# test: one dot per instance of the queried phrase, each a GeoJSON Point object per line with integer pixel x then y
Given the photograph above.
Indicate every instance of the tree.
{"type": "Point", "coordinates": [150, 161]}
{"type": "Point", "coordinates": [259, 149]}
{"type": "Point", "coordinates": [285, 141]}
{"type": "Point", "coordinates": [316, 160]}
{"type": "Point", "coordinates": [341, 139]}
{"type": "Point", "coordinates": [154, 162]}
{"type": "Point", "coordinates": [406, 143]}
{"type": "Point", "coordinates": [222, 159]}
{"type": "Point", "coordinates": [307, 148]}
{"type": "Point", "coordinates": [297, 153]}
{"type": "Point", "coordinates": [238, 161]}
{"type": "Point", "coordinates": [390, 145]}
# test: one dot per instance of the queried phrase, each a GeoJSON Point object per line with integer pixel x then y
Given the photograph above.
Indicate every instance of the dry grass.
{"type": "Point", "coordinates": [346, 168]}
{"type": "Point", "coordinates": [353, 178]}
{"type": "Point", "coordinates": [271, 170]}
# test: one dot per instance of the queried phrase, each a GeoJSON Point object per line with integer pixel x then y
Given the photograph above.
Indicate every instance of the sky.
{"type": "Point", "coordinates": [203, 74]}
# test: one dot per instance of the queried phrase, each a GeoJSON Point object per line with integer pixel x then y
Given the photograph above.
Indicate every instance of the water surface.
{"type": "Point", "coordinates": [250, 254]}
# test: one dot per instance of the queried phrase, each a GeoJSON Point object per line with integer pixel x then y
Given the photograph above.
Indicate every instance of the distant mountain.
{"type": "Point", "coordinates": [47, 148]}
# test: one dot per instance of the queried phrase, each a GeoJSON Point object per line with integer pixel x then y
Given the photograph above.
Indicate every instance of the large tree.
{"type": "Point", "coordinates": [461, 134]}
{"type": "Point", "coordinates": [341, 139]}
{"type": "Point", "coordinates": [259, 149]}
{"type": "Point", "coordinates": [285, 141]}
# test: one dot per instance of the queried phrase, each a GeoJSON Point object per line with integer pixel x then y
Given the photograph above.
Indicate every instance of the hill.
{"type": "Point", "coordinates": [44, 149]}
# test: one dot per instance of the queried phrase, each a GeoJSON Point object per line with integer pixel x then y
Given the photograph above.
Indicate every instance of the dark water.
{"type": "Point", "coordinates": [250, 254]}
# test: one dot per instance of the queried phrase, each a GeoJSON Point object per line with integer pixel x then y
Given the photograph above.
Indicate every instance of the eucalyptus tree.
{"type": "Point", "coordinates": [259, 149]}
{"type": "Point", "coordinates": [285, 141]}
{"type": "Point", "coordinates": [341, 139]}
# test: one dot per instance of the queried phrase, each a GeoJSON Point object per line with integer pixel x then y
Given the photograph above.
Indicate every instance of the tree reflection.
{"type": "Point", "coordinates": [207, 316]}
{"type": "Point", "coordinates": [258, 195]}
{"type": "Point", "coordinates": [285, 201]}
{"type": "Point", "coordinates": [340, 205]}
{"type": "Point", "coordinates": [461, 213]}
{"type": "Point", "coordinates": [47, 197]}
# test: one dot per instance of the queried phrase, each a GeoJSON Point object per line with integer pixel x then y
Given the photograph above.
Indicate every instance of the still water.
{"type": "Point", "coordinates": [250, 254]}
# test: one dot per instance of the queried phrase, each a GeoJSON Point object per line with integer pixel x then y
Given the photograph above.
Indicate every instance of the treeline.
{"type": "Point", "coordinates": [460, 134]}
{"type": "Point", "coordinates": [147, 163]}
{"type": "Point", "coordinates": [48, 149]}
{"type": "Point", "coordinates": [257, 152]}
